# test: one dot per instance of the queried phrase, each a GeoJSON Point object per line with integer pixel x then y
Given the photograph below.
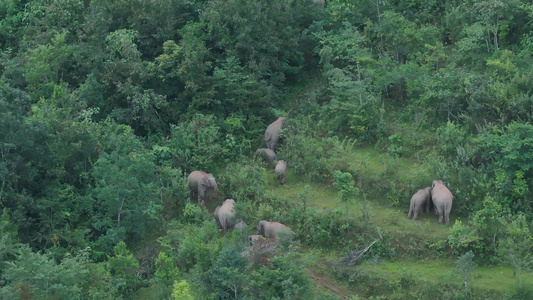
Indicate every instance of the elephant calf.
{"type": "Point", "coordinates": [267, 156]}
{"type": "Point", "coordinates": [281, 170]}
{"type": "Point", "coordinates": [254, 238]}
{"type": "Point", "coordinates": [420, 199]}
{"type": "Point", "coordinates": [225, 215]}
{"type": "Point", "coordinates": [271, 229]}
{"type": "Point", "coordinates": [240, 226]}
{"type": "Point", "coordinates": [442, 200]}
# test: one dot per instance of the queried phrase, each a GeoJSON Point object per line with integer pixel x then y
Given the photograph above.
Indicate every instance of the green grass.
{"type": "Point", "coordinates": [388, 216]}
{"type": "Point", "coordinates": [495, 278]}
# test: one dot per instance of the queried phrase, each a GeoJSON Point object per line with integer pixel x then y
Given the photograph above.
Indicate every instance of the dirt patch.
{"type": "Point", "coordinates": [328, 285]}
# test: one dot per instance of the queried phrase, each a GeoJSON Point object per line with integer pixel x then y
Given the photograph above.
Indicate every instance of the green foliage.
{"type": "Point", "coordinates": [123, 267]}
{"type": "Point", "coordinates": [244, 181]}
{"type": "Point", "coordinates": [196, 144]}
{"type": "Point", "coordinates": [465, 266]}
{"type": "Point", "coordinates": [191, 246]}
{"type": "Point", "coordinates": [125, 191]}
{"type": "Point", "coordinates": [346, 186]}
{"type": "Point", "coordinates": [106, 106]}
{"type": "Point", "coordinates": [395, 145]}
{"type": "Point", "coordinates": [509, 151]}
{"type": "Point", "coordinates": [193, 213]}
{"type": "Point", "coordinates": [517, 245]}
{"type": "Point", "coordinates": [166, 273]}
{"type": "Point", "coordinates": [38, 275]}
{"type": "Point", "coordinates": [320, 228]}
{"type": "Point", "coordinates": [281, 278]}
{"type": "Point", "coordinates": [463, 238]}
{"type": "Point", "coordinates": [45, 65]}
{"type": "Point", "coordinates": [182, 291]}
{"type": "Point", "coordinates": [451, 139]}
{"type": "Point", "coordinates": [226, 276]}
{"type": "Point", "coordinates": [304, 149]}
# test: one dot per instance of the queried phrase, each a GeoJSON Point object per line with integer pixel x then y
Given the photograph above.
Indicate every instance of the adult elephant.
{"type": "Point", "coordinates": [271, 229]}
{"type": "Point", "coordinates": [442, 200]}
{"type": "Point", "coordinates": [225, 215]}
{"type": "Point", "coordinates": [267, 156]}
{"type": "Point", "coordinates": [272, 133]}
{"type": "Point", "coordinates": [281, 170]}
{"type": "Point", "coordinates": [420, 199]}
{"type": "Point", "coordinates": [201, 184]}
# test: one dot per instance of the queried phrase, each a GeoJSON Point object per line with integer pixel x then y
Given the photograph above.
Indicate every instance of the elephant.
{"type": "Point", "coordinates": [420, 199]}
{"type": "Point", "coordinates": [271, 229]}
{"type": "Point", "coordinates": [215, 215]}
{"type": "Point", "coordinates": [272, 133]}
{"type": "Point", "coordinates": [240, 226]}
{"type": "Point", "coordinates": [267, 156]}
{"type": "Point", "coordinates": [225, 215]}
{"type": "Point", "coordinates": [442, 199]}
{"type": "Point", "coordinates": [200, 183]}
{"type": "Point", "coordinates": [254, 238]}
{"type": "Point", "coordinates": [281, 170]}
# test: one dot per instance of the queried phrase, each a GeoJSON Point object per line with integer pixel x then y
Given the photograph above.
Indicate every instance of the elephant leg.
{"type": "Point", "coordinates": [201, 196]}
{"type": "Point", "coordinates": [416, 214]}
{"type": "Point", "coordinates": [410, 214]}
{"type": "Point", "coordinates": [441, 216]}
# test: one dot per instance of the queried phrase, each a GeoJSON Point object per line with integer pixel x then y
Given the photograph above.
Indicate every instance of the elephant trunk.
{"type": "Point", "coordinates": [216, 191]}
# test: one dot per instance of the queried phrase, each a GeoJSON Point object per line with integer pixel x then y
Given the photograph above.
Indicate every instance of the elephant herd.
{"type": "Point", "coordinates": [202, 184]}
{"type": "Point", "coordinates": [268, 154]}
{"type": "Point", "coordinates": [438, 196]}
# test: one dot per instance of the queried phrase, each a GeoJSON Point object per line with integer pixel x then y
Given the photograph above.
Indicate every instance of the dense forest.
{"type": "Point", "coordinates": [107, 106]}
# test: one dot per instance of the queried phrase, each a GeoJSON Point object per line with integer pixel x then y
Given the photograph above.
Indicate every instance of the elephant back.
{"type": "Point", "coordinates": [195, 176]}
{"type": "Point", "coordinates": [440, 191]}
{"type": "Point", "coordinates": [281, 166]}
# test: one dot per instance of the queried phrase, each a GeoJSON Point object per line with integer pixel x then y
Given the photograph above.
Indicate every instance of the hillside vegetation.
{"type": "Point", "coordinates": [106, 107]}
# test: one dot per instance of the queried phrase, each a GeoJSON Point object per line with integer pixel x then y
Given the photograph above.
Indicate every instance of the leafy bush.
{"type": "Point", "coordinates": [196, 144]}
{"type": "Point", "coordinates": [281, 278]}
{"type": "Point", "coordinates": [243, 181]}
{"type": "Point", "coordinates": [304, 150]}
{"type": "Point", "coordinates": [226, 275]}
{"type": "Point", "coordinates": [191, 245]}
{"type": "Point", "coordinates": [345, 184]}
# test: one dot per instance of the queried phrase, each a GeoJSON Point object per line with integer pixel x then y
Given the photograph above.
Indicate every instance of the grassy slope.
{"type": "Point", "coordinates": [409, 235]}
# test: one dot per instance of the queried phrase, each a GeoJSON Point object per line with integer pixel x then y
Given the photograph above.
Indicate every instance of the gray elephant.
{"type": "Point", "coordinates": [272, 133]}
{"type": "Point", "coordinates": [240, 226]}
{"type": "Point", "coordinates": [281, 170]}
{"type": "Point", "coordinates": [215, 215]}
{"type": "Point", "coordinates": [420, 199]}
{"type": "Point", "coordinates": [267, 156]}
{"type": "Point", "coordinates": [271, 229]}
{"type": "Point", "coordinates": [442, 200]}
{"type": "Point", "coordinates": [201, 184]}
{"type": "Point", "coordinates": [254, 238]}
{"type": "Point", "coordinates": [225, 215]}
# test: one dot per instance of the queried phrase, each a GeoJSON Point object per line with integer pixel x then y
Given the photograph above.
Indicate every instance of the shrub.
{"type": "Point", "coordinates": [243, 181]}
{"type": "Point", "coordinates": [282, 278]}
